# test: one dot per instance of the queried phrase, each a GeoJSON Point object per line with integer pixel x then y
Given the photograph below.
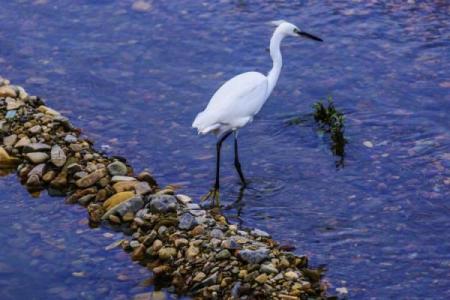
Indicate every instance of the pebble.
{"type": "Point", "coordinates": [37, 157]}
{"type": "Point", "coordinates": [123, 186]}
{"type": "Point", "coordinates": [91, 179]}
{"type": "Point", "coordinates": [34, 147]}
{"type": "Point", "coordinates": [254, 256]}
{"type": "Point", "coordinates": [118, 178]}
{"type": "Point", "coordinates": [192, 252]}
{"type": "Point", "coordinates": [35, 129]}
{"type": "Point", "coordinates": [10, 140]}
{"type": "Point", "coordinates": [6, 160]}
{"type": "Point", "coordinates": [199, 277]}
{"type": "Point", "coordinates": [224, 254]}
{"type": "Point", "coordinates": [290, 275]}
{"type": "Point", "coordinates": [268, 269]}
{"type": "Point", "coordinates": [261, 233]}
{"type": "Point", "coordinates": [117, 168]}
{"type": "Point", "coordinates": [216, 233]}
{"type": "Point", "coordinates": [186, 221]}
{"type": "Point", "coordinates": [116, 199]}
{"type": "Point", "coordinates": [7, 91]}
{"type": "Point", "coordinates": [70, 139]}
{"type": "Point", "coordinates": [262, 278]}
{"type": "Point", "coordinates": [166, 253]}
{"type": "Point", "coordinates": [162, 203]}
{"type": "Point", "coordinates": [128, 207]}
{"type": "Point", "coordinates": [24, 141]}
{"type": "Point", "coordinates": [58, 157]}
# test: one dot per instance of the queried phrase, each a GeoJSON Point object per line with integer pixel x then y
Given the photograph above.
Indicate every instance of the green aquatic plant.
{"type": "Point", "coordinates": [332, 120]}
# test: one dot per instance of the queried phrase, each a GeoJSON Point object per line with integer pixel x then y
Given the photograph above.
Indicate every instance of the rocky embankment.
{"type": "Point", "coordinates": [190, 250]}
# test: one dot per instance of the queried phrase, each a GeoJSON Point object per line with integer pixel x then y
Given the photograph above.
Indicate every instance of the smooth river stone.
{"type": "Point", "coordinates": [124, 186]}
{"type": "Point", "coordinates": [117, 168]}
{"type": "Point", "coordinates": [7, 91]}
{"type": "Point", "coordinates": [58, 157]}
{"type": "Point", "coordinates": [37, 157]}
{"type": "Point", "coordinates": [35, 147]}
{"type": "Point", "coordinates": [24, 141]}
{"type": "Point", "coordinates": [117, 198]}
{"type": "Point", "coordinates": [92, 178]}
{"type": "Point", "coordinates": [122, 178]}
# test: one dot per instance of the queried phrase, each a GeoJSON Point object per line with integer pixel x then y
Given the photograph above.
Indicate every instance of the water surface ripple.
{"type": "Point", "coordinates": [134, 81]}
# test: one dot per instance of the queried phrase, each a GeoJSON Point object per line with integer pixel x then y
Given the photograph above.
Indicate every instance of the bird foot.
{"type": "Point", "coordinates": [214, 194]}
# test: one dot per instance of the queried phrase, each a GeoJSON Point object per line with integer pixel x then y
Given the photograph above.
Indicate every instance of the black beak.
{"type": "Point", "coordinates": [309, 36]}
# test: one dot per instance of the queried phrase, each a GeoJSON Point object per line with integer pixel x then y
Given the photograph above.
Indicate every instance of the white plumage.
{"type": "Point", "coordinates": [238, 100]}
{"type": "Point", "coordinates": [234, 104]}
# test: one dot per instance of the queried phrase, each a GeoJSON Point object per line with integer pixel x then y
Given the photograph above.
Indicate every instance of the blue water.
{"type": "Point", "coordinates": [135, 80]}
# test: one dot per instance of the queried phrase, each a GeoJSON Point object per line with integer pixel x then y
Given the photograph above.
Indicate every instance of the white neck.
{"type": "Point", "coordinates": [275, 53]}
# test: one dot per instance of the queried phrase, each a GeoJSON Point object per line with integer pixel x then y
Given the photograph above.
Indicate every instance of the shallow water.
{"type": "Point", "coordinates": [134, 81]}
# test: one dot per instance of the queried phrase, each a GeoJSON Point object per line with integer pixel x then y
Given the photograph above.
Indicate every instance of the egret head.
{"type": "Point", "coordinates": [290, 29]}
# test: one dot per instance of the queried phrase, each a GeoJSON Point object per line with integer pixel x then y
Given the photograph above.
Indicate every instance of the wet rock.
{"type": "Point", "coordinates": [122, 178]}
{"type": "Point", "coordinates": [198, 230]}
{"type": "Point", "coordinates": [37, 157]}
{"type": "Point", "coordinates": [123, 186]}
{"type": "Point", "coordinates": [57, 155]}
{"type": "Point", "coordinates": [12, 104]}
{"type": "Point", "coordinates": [37, 170]}
{"type": "Point", "coordinates": [70, 139]}
{"type": "Point", "coordinates": [85, 200]}
{"type": "Point", "coordinates": [117, 168]}
{"type": "Point", "coordinates": [184, 198]}
{"type": "Point", "coordinates": [192, 252]}
{"type": "Point", "coordinates": [60, 181]}
{"type": "Point", "coordinates": [199, 277]}
{"type": "Point", "coordinates": [166, 253]}
{"type": "Point", "coordinates": [268, 269]}
{"type": "Point", "coordinates": [11, 114]}
{"type": "Point", "coordinates": [181, 242]}
{"type": "Point", "coordinates": [262, 278]}
{"type": "Point", "coordinates": [162, 203]}
{"type": "Point", "coordinates": [95, 212]}
{"type": "Point", "coordinates": [92, 178]}
{"type": "Point", "coordinates": [33, 182]}
{"type": "Point", "coordinates": [34, 147]}
{"type": "Point", "coordinates": [143, 188]}
{"type": "Point", "coordinates": [35, 129]}
{"type": "Point", "coordinates": [224, 254]}
{"type": "Point", "coordinates": [6, 160]}
{"type": "Point", "coordinates": [254, 256]}
{"type": "Point", "coordinates": [261, 233]}
{"type": "Point", "coordinates": [131, 205]}
{"type": "Point", "coordinates": [186, 221]}
{"type": "Point", "coordinates": [10, 140]}
{"type": "Point", "coordinates": [48, 111]}
{"type": "Point", "coordinates": [117, 198]}
{"type": "Point", "coordinates": [216, 233]}
{"type": "Point", "coordinates": [24, 141]}
{"type": "Point", "coordinates": [49, 176]}
{"type": "Point", "coordinates": [290, 275]}
{"type": "Point", "coordinates": [7, 91]}
{"type": "Point", "coordinates": [147, 177]}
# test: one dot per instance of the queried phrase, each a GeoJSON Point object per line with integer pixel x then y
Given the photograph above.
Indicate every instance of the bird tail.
{"type": "Point", "coordinates": [202, 125]}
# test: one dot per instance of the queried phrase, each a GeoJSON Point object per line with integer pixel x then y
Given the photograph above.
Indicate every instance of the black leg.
{"type": "Point", "coordinates": [218, 148]}
{"type": "Point", "coordinates": [237, 163]}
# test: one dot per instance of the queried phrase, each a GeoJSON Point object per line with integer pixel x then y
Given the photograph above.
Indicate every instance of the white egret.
{"type": "Point", "coordinates": [239, 99]}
